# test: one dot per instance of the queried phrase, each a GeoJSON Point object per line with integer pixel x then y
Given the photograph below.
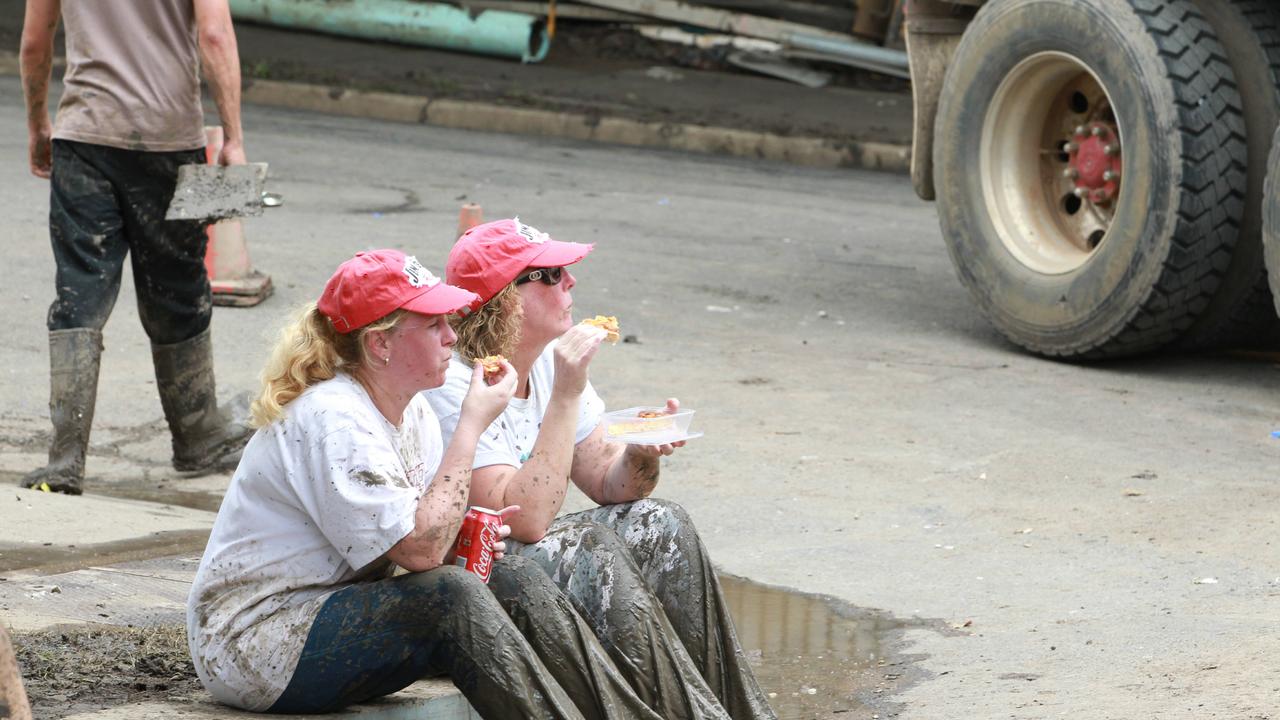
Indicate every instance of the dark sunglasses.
{"type": "Point", "coordinates": [547, 276]}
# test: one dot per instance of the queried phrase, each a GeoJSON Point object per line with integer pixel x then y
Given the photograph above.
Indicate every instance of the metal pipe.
{"type": "Point", "coordinates": [874, 56]}
{"type": "Point", "coordinates": [490, 32]}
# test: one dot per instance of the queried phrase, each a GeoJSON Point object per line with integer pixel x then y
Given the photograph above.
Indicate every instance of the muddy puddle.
{"type": "Point", "coordinates": [817, 657]}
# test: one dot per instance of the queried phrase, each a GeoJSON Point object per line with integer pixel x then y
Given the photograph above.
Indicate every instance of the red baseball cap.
{"type": "Point", "coordinates": [375, 283]}
{"type": "Point", "coordinates": [490, 256]}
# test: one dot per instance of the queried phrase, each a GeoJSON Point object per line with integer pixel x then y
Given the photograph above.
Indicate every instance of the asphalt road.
{"type": "Point", "coordinates": [1107, 532]}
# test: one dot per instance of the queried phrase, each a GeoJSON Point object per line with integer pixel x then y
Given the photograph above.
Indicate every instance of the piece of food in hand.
{"type": "Point", "coordinates": [608, 323]}
{"type": "Point", "coordinates": [649, 414]}
{"type": "Point", "coordinates": [492, 365]}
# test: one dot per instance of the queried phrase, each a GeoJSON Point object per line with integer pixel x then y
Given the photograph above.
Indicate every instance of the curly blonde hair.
{"type": "Point", "coordinates": [310, 351]}
{"type": "Point", "coordinates": [494, 329]}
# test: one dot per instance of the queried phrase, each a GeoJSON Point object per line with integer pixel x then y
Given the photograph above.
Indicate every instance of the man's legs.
{"type": "Point", "coordinates": [86, 233]}
{"type": "Point", "coordinates": [598, 574]}
{"type": "Point", "coordinates": [372, 639]}
{"type": "Point", "coordinates": [175, 307]}
{"type": "Point", "coordinates": [677, 569]}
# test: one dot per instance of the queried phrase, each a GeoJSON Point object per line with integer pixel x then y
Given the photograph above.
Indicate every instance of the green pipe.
{"type": "Point", "coordinates": [491, 32]}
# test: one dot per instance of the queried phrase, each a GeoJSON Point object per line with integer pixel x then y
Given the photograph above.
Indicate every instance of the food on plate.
{"type": "Point", "coordinates": [645, 421]}
{"type": "Point", "coordinates": [608, 323]}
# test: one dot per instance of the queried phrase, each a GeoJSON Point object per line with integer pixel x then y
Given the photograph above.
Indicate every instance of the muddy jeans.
{"type": "Point", "coordinates": [106, 203]}
{"type": "Point", "coordinates": [640, 575]}
{"type": "Point", "coordinates": [515, 648]}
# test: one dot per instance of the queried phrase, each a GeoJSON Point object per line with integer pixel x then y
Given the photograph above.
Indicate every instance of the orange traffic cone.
{"type": "Point", "coordinates": [232, 278]}
{"type": "Point", "coordinates": [468, 217]}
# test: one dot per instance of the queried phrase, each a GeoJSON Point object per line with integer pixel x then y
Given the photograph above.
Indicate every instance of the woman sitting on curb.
{"type": "Point", "coordinates": [295, 607]}
{"type": "Point", "coordinates": [681, 653]}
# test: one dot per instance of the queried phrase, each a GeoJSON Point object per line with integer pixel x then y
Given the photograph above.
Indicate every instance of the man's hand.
{"type": "Point", "coordinates": [40, 150]}
{"type": "Point", "coordinates": [232, 153]}
{"type": "Point", "coordinates": [220, 66]}
{"type": "Point", "coordinates": [36, 53]}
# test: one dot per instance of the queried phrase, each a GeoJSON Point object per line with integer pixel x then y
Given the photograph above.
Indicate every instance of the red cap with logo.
{"type": "Point", "coordinates": [375, 283]}
{"type": "Point", "coordinates": [490, 256]}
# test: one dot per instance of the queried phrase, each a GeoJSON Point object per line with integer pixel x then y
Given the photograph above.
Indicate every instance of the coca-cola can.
{"type": "Point", "coordinates": [474, 548]}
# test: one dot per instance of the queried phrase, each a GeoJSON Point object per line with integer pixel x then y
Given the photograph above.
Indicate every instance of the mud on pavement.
{"type": "Point", "coordinates": [72, 669]}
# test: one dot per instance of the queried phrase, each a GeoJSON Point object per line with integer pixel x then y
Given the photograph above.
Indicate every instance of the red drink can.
{"type": "Point", "coordinates": [476, 539]}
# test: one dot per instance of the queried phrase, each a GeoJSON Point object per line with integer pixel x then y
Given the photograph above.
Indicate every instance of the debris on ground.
{"type": "Point", "coordinates": [71, 670]}
{"type": "Point", "coordinates": [797, 40]}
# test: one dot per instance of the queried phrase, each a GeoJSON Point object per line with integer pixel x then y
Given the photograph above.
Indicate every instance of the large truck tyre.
{"type": "Point", "coordinates": [1241, 313]}
{"type": "Point", "coordinates": [1271, 219]}
{"type": "Point", "coordinates": [1090, 167]}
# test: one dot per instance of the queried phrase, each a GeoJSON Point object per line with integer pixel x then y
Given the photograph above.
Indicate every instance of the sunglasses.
{"type": "Point", "coordinates": [547, 276]}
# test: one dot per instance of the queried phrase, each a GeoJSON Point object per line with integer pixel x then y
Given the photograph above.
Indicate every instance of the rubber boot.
{"type": "Point", "coordinates": [74, 358]}
{"type": "Point", "coordinates": [205, 437]}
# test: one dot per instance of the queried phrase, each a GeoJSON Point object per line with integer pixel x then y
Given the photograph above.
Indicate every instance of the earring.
{"type": "Point", "coordinates": [386, 360]}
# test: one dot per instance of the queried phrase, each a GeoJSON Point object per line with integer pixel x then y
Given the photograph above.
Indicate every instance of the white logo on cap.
{"type": "Point", "coordinates": [530, 233]}
{"type": "Point", "coordinates": [417, 274]}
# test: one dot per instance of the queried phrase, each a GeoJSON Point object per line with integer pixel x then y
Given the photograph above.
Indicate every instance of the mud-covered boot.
{"type": "Point", "coordinates": [74, 358]}
{"type": "Point", "coordinates": [205, 437]}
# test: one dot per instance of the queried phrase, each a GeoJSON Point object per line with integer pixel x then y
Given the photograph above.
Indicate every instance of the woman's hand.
{"type": "Point", "coordinates": [485, 401]}
{"type": "Point", "coordinates": [504, 531]}
{"type": "Point", "coordinates": [654, 451]}
{"type": "Point", "coordinates": [573, 354]}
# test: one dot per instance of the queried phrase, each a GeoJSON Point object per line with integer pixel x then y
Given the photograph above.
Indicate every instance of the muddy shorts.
{"type": "Point", "coordinates": [106, 203]}
{"type": "Point", "coordinates": [640, 575]}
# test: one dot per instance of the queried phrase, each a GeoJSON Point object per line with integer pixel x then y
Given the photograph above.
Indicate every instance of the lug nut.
{"type": "Point", "coordinates": [1108, 176]}
{"type": "Point", "coordinates": [1070, 173]}
{"type": "Point", "coordinates": [1098, 131]}
{"type": "Point", "coordinates": [1081, 131]}
{"type": "Point", "coordinates": [1070, 147]}
{"type": "Point", "coordinates": [1111, 149]}
{"type": "Point", "coordinates": [1080, 192]}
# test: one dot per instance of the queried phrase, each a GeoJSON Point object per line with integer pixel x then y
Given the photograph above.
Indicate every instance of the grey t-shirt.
{"type": "Point", "coordinates": [133, 75]}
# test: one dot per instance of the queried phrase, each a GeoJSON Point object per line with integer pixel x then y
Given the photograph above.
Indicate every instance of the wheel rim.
{"type": "Point", "coordinates": [1051, 162]}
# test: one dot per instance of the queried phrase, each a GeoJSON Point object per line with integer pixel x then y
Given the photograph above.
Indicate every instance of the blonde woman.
{"type": "Point", "coordinates": [632, 551]}
{"type": "Point", "coordinates": [295, 607]}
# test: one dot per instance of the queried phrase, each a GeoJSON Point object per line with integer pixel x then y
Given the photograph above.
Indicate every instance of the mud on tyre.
{"type": "Point", "coordinates": [1090, 163]}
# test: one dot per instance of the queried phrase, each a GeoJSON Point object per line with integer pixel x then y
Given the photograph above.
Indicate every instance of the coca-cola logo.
{"type": "Point", "coordinates": [484, 562]}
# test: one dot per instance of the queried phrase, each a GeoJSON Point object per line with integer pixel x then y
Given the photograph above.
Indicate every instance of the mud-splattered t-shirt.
{"type": "Point", "coordinates": [510, 438]}
{"type": "Point", "coordinates": [318, 498]}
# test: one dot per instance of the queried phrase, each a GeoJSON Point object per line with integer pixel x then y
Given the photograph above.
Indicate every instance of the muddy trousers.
{"type": "Point", "coordinates": [515, 648]}
{"type": "Point", "coordinates": [640, 575]}
{"type": "Point", "coordinates": [106, 203]}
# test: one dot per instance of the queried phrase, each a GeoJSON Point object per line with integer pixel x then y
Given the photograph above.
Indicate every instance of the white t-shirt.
{"type": "Point", "coordinates": [510, 439]}
{"type": "Point", "coordinates": [319, 496]}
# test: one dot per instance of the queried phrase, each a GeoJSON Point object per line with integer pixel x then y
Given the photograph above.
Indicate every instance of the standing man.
{"type": "Point", "coordinates": [130, 115]}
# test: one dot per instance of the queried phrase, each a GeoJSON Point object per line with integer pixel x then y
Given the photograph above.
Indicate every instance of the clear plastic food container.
{"type": "Point", "coordinates": [648, 426]}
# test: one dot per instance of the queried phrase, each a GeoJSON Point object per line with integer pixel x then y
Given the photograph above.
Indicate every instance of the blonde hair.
{"type": "Point", "coordinates": [310, 351]}
{"type": "Point", "coordinates": [494, 329]}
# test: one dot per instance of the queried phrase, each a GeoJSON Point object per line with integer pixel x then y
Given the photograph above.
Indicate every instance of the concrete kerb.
{"type": "Point", "coordinates": [490, 117]}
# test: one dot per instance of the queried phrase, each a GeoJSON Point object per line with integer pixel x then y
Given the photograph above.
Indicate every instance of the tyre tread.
{"type": "Point", "coordinates": [1213, 157]}
{"type": "Point", "coordinates": [1248, 317]}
